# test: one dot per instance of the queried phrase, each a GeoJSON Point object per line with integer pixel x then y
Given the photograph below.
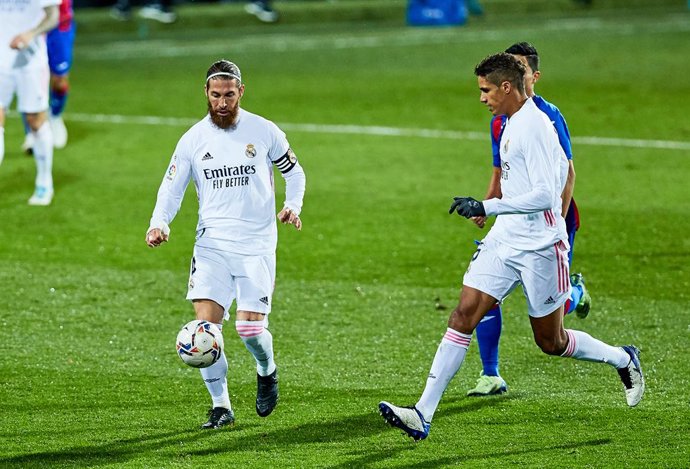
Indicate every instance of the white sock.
{"type": "Point", "coordinates": [259, 342]}
{"type": "Point", "coordinates": [43, 155]}
{"type": "Point", "coordinates": [215, 379]}
{"type": "Point", "coordinates": [2, 144]}
{"type": "Point", "coordinates": [449, 357]}
{"type": "Point", "coordinates": [583, 346]}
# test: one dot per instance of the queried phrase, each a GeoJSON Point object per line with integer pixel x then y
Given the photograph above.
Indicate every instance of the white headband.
{"type": "Point", "coordinates": [225, 74]}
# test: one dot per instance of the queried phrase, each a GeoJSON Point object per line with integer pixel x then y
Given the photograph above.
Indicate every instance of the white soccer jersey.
{"type": "Point", "coordinates": [233, 174]}
{"type": "Point", "coordinates": [16, 17]}
{"type": "Point", "coordinates": [533, 175]}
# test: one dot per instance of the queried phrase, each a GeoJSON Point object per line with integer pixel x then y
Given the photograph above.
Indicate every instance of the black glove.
{"type": "Point", "coordinates": [467, 207]}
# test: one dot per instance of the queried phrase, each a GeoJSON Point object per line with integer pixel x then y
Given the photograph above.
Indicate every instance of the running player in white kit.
{"type": "Point", "coordinates": [24, 72]}
{"type": "Point", "coordinates": [527, 245]}
{"type": "Point", "coordinates": [230, 156]}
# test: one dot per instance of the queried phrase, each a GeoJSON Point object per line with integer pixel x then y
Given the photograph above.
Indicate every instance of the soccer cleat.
{"type": "Point", "coordinates": [42, 196]}
{"type": "Point", "coordinates": [488, 386]}
{"type": "Point", "coordinates": [266, 393]}
{"type": "Point", "coordinates": [57, 125]}
{"type": "Point", "coordinates": [631, 376]}
{"type": "Point", "coordinates": [218, 417]}
{"type": "Point", "coordinates": [262, 11]}
{"type": "Point", "coordinates": [582, 308]}
{"type": "Point", "coordinates": [28, 145]}
{"type": "Point", "coordinates": [156, 12]}
{"type": "Point", "coordinates": [408, 419]}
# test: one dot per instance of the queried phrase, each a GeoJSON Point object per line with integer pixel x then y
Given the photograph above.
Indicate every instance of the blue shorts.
{"type": "Point", "coordinates": [60, 45]}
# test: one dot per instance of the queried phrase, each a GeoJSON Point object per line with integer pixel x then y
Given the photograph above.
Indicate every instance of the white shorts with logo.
{"type": "Point", "coordinates": [225, 277]}
{"type": "Point", "coordinates": [496, 269]}
{"type": "Point", "coordinates": [29, 83]}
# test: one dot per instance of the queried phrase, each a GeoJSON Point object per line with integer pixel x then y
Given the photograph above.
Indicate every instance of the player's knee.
{"type": "Point", "coordinates": [60, 84]}
{"type": "Point", "coordinates": [36, 120]}
{"type": "Point", "coordinates": [461, 320]}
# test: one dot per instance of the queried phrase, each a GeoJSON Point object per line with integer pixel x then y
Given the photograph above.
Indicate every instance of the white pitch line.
{"type": "Point", "coordinates": [375, 130]}
{"type": "Point", "coordinates": [397, 37]}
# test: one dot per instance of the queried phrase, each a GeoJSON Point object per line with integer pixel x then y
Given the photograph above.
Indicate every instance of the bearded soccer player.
{"type": "Point", "coordinates": [488, 330]}
{"type": "Point", "coordinates": [24, 71]}
{"type": "Point", "coordinates": [230, 155]}
{"type": "Point", "coordinates": [527, 246]}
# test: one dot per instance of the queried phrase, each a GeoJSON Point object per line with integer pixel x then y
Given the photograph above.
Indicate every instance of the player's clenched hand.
{"type": "Point", "coordinates": [287, 216]}
{"type": "Point", "coordinates": [467, 207]}
{"type": "Point", "coordinates": [21, 41]}
{"type": "Point", "coordinates": [155, 237]}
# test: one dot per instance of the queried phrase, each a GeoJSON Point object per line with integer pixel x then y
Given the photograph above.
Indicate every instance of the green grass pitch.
{"type": "Point", "coordinates": [387, 123]}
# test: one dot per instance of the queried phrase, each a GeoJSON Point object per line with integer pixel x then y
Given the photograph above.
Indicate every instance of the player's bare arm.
{"type": "Point", "coordinates": [49, 21]}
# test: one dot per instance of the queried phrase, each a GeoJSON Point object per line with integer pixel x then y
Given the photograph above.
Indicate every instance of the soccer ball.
{"type": "Point", "coordinates": [199, 343]}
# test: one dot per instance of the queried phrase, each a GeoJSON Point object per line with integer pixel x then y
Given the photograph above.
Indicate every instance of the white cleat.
{"type": "Point", "coordinates": [42, 197]}
{"type": "Point", "coordinates": [408, 419]}
{"type": "Point", "coordinates": [57, 125]}
{"type": "Point", "coordinates": [631, 376]}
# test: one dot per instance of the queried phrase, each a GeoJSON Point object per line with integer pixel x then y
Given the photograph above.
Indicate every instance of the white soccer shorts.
{"type": "Point", "coordinates": [31, 86]}
{"type": "Point", "coordinates": [496, 269]}
{"type": "Point", "coordinates": [225, 277]}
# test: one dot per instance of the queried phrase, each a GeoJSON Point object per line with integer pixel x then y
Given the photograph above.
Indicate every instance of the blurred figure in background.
{"type": "Point", "coordinates": [160, 11]}
{"type": "Point", "coordinates": [262, 10]}
{"type": "Point", "coordinates": [474, 7]}
{"type": "Point", "coordinates": [60, 43]}
{"type": "Point", "coordinates": [24, 71]}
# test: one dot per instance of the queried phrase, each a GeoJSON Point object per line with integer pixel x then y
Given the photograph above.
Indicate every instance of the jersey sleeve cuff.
{"type": "Point", "coordinates": [161, 225]}
{"type": "Point", "coordinates": [491, 206]}
{"type": "Point", "coordinates": [292, 207]}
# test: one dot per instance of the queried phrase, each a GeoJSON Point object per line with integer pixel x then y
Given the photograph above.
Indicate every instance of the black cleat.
{"type": "Point", "coordinates": [219, 416]}
{"type": "Point", "coordinates": [266, 393]}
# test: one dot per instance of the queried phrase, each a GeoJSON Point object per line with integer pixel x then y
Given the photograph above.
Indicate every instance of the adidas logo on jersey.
{"type": "Point", "coordinates": [264, 300]}
{"type": "Point", "coordinates": [207, 156]}
{"type": "Point", "coordinates": [549, 301]}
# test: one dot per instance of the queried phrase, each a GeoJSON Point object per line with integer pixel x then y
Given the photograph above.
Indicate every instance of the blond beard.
{"type": "Point", "coordinates": [224, 122]}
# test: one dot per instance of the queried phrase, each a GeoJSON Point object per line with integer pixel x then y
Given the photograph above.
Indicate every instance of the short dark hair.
{"type": "Point", "coordinates": [502, 67]}
{"type": "Point", "coordinates": [528, 51]}
{"type": "Point", "coordinates": [225, 70]}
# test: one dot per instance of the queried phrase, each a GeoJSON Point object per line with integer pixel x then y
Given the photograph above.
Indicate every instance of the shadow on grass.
{"type": "Point", "coordinates": [239, 439]}
{"type": "Point", "coordinates": [328, 431]}
{"type": "Point", "coordinates": [251, 438]}
{"type": "Point", "coordinates": [369, 459]}
{"type": "Point", "coordinates": [116, 451]}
